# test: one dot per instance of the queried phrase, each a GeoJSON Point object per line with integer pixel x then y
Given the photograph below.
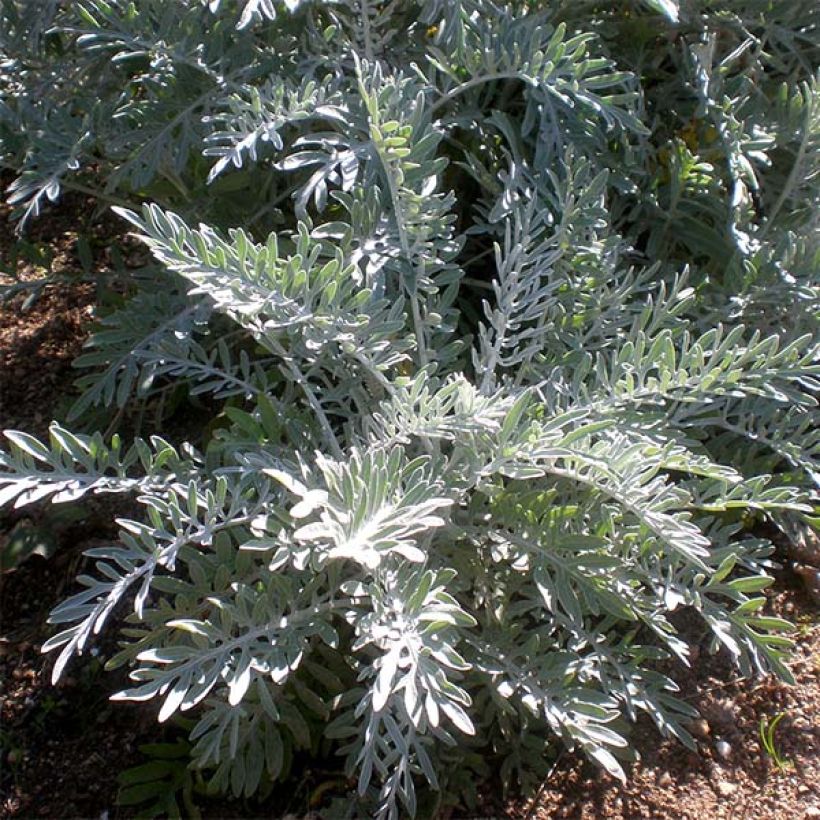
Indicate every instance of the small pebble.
{"type": "Point", "coordinates": [812, 813]}
{"type": "Point", "coordinates": [723, 749]}
{"type": "Point", "coordinates": [726, 789]}
{"type": "Point", "coordinates": [700, 728]}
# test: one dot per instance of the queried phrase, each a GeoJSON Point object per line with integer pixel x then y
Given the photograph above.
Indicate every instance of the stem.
{"type": "Point", "coordinates": [472, 83]}
{"type": "Point", "coordinates": [403, 238]}
{"type": "Point", "coordinates": [300, 379]}
{"type": "Point", "coordinates": [404, 241]}
{"type": "Point", "coordinates": [418, 329]}
{"type": "Point", "coordinates": [80, 188]}
{"type": "Point", "coordinates": [473, 259]}
{"type": "Point", "coordinates": [375, 372]}
{"type": "Point", "coordinates": [408, 255]}
{"type": "Point", "coordinates": [84, 189]}
{"type": "Point", "coordinates": [269, 206]}
{"type": "Point", "coordinates": [476, 283]}
{"type": "Point", "coordinates": [366, 33]}
{"type": "Point", "coordinates": [492, 359]}
{"type": "Point", "coordinates": [792, 178]}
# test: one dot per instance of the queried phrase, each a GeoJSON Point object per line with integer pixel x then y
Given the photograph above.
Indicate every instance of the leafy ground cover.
{"type": "Point", "coordinates": [63, 746]}
{"type": "Point", "coordinates": [459, 407]}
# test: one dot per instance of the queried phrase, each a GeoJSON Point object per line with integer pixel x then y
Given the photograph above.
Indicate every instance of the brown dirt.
{"type": "Point", "coordinates": [41, 336]}
{"type": "Point", "coordinates": [62, 747]}
{"type": "Point", "coordinates": [36, 351]}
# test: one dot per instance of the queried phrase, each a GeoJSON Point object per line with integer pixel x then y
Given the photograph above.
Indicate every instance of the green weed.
{"type": "Point", "coordinates": [768, 727]}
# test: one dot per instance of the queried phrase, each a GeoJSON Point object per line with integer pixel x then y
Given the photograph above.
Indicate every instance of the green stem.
{"type": "Point", "coordinates": [472, 83]}
{"type": "Point", "coordinates": [314, 402]}
{"type": "Point", "coordinates": [793, 175]}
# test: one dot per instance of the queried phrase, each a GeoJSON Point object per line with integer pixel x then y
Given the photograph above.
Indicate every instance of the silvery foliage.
{"type": "Point", "coordinates": [518, 349]}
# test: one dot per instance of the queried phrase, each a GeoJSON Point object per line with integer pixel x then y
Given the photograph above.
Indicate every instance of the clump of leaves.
{"type": "Point", "coordinates": [506, 345]}
{"type": "Point", "coordinates": [164, 784]}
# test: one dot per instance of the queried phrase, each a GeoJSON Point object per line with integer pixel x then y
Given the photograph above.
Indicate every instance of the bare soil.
{"type": "Point", "coordinates": [61, 748]}
{"type": "Point", "coordinates": [38, 343]}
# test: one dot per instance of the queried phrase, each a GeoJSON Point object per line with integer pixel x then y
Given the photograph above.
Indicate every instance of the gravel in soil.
{"type": "Point", "coordinates": [36, 351]}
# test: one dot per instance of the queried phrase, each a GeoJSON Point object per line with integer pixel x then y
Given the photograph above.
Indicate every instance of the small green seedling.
{"type": "Point", "coordinates": [767, 739]}
{"type": "Point", "coordinates": [157, 785]}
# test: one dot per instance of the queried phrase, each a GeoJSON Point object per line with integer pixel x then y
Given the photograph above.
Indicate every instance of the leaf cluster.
{"type": "Point", "coordinates": [508, 317]}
